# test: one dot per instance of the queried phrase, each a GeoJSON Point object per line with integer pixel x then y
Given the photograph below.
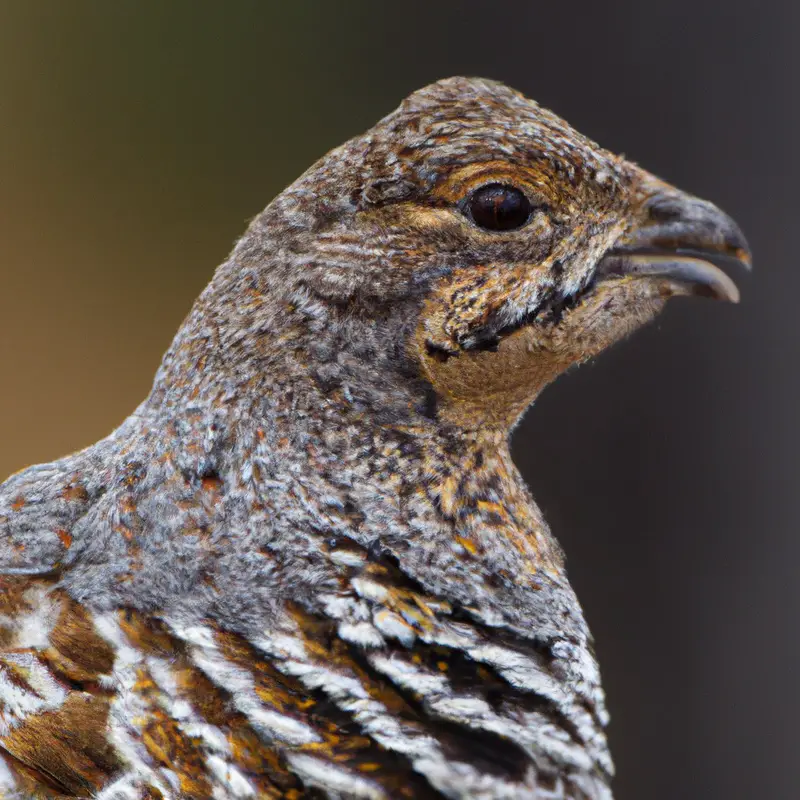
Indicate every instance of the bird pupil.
{"type": "Point", "coordinates": [499, 208]}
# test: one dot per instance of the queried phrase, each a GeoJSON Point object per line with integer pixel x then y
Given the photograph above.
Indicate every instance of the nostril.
{"type": "Point", "coordinates": [665, 211]}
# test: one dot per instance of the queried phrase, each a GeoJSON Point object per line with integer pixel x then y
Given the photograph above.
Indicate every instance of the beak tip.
{"type": "Point", "coordinates": [732, 297]}
{"type": "Point", "coordinates": [707, 280]}
{"type": "Point", "coordinates": [744, 257]}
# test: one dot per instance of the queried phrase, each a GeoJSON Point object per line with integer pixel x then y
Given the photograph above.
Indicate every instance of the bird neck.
{"type": "Point", "coordinates": [329, 412]}
{"type": "Point", "coordinates": [328, 400]}
{"type": "Point", "coordinates": [372, 463]}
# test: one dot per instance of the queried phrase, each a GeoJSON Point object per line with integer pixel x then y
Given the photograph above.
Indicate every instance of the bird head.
{"type": "Point", "coordinates": [475, 238]}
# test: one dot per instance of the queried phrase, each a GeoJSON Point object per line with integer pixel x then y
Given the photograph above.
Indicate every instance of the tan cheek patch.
{"type": "Point", "coordinates": [472, 383]}
{"type": "Point", "coordinates": [484, 387]}
{"type": "Point", "coordinates": [476, 386]}
{"type": "Point", "coordinates": [468, 302]}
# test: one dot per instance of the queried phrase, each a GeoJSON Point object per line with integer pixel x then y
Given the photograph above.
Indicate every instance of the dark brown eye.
{"type": "Point", "coordinates": [496, 207]}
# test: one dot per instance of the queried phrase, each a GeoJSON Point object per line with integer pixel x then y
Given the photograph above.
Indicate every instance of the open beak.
{"type": "Point", "coordinates": [680, 244]}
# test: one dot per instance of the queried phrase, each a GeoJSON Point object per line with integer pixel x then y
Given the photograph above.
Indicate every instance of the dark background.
{"type": "Point", "coordinates": [136, 139]}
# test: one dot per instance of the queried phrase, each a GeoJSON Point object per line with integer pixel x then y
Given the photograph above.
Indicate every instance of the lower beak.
{"type": "Point", "coordinates": [680, 244]}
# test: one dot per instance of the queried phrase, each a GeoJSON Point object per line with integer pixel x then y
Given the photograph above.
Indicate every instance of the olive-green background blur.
{"type": "Point", "coordinates": [136, 139]}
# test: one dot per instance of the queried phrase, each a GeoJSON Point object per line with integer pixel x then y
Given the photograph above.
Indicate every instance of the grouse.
{"type": "Point", "coordinates": [306, 566]}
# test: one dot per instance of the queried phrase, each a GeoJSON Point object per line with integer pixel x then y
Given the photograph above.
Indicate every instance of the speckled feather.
{"type": "Point", "coordinates": [306, 565]}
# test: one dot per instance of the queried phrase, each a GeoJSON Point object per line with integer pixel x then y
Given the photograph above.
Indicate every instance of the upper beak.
{"type": "Point", "coordinates": [679, 243]}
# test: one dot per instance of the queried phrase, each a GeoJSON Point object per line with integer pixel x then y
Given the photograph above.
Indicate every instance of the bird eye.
{"type": "Point", "coordinates": [496, 207]}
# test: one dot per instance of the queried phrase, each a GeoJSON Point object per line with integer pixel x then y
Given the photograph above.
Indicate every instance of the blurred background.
{"type": "Point", "coordinates": [136, 139]}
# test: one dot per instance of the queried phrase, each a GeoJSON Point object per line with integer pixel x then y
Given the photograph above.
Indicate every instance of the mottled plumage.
{"type": "Point", "coordinates": [306, 565]}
